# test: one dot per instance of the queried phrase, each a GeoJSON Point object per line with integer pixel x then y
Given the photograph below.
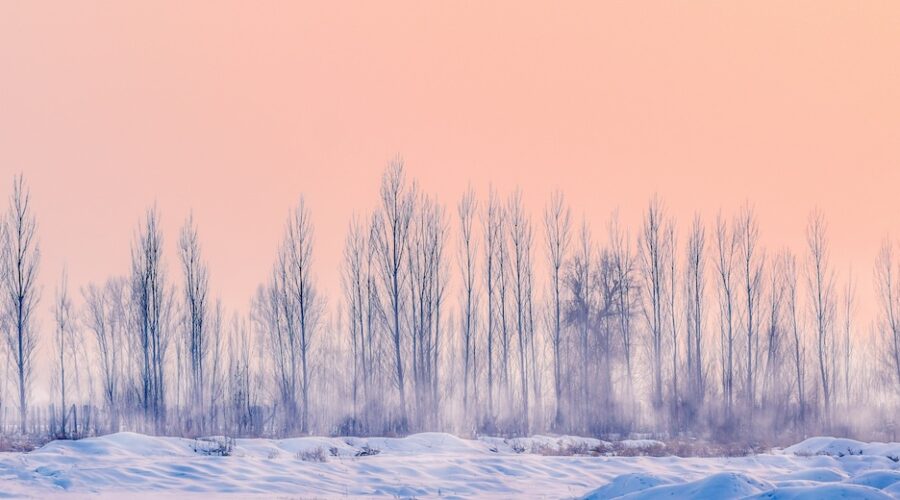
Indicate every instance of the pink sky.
{"type": "Point", "coordinates": [233, 109]}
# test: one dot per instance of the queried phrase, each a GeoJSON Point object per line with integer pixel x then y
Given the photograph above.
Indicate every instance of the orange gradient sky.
{"type": "Point", "coordinates": [235, 109]}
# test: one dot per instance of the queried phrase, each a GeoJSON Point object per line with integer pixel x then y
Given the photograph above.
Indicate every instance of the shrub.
{"type": "Point", "coordinates": [214, 447]}
{"type": "Point", "coordinates": [314, 455]}
{"type": "Point", "coordinates": [367, 451]}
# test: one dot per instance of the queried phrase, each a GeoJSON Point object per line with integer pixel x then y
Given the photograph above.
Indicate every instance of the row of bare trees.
{"type": "Point", "coordinates": [472, 321]}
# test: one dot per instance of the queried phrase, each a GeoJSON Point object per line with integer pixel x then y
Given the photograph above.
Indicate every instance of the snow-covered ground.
{"type": "Point", "coordinates": [431, 465]}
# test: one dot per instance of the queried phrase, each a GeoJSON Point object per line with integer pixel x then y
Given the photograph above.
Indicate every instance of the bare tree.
{"type": "Point", "coordinates": [307, 300]}
{"type": "Point", "coordinates": [392, 230]}
{"type": "Point", "coordinates": [557, 226]}
{"type": "Point", "coordinates": [624, 271]}
{"type": "Point", "coordinates": [820, 278]}
{"type": "Point", "coordinates": [354, 279]}
{"type": "Point", "coordinates": [104, 316]}
{"type": "Point", "coordinates": [521, 238]}
{"type": "Point", "coordinates": [503, 286]}
{"type": "Point", "coordinates": [151, 306]}
{"type": "Point", "coordinates": [64, 346]}
{"type": "Point", "coordinates": [289, 311]}
{"type": "Point", "coordinates": [798, 345]}
{"type": "Point", "coordinates": [849, 306]}
{"type": "Point", "coordinates": [196, 285]}
{"type": "Point", "coordinates": [887, 285]}
{"type": "Point", "coordinates": [492, 239]}
{"type": "Point", "coordinates": [240, 386]}
{"type": "Point", "coordinates": [752, 261]}
{"type": "Point", "coordinates": [653, 270]}
{"type": "Point", "coordinates": [581, 313]}
{"type": "Point", "coordinates": [468, 250]}
{"type": "Point", "coordinates": [695, 291]}
{"type": "Point", "coordinates": [216, 367]}
{"type": "Point", "coordinates": [427, 282]}
{"type": "Point", "coordinates": [21, 259]}
{"type": "Point", "coordinates": [726, 245]}
{"type": "Point", "coordinates": [274, 315]}
{"type": "Point", "coordinates": [774, 337]}
{"type": "Point", "coordinates": [671, 248]}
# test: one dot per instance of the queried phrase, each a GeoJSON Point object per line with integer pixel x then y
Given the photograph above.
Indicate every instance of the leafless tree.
{"type": "Point", "coordinates": [307, 301]}
{"type": "Point", "coordinates": [151, 308]}
{"type": "Point", "coordinates": [196, 286]}
{"type": "Point", "coordinates": [427, 285]}
{"type": "Point", "coordinates": [671, 262]}
{"type": "Point", "coordinates": [216, 371]}
{"type": "Point", "coordinates": [21, 259]}
{"type": "Point", "coordinates": [468, 251]}
{"type": "Point", "coordinates": [726, 245]}
{"type": "Point", "coordinates": [557, 227]}
{"type": "Point", "coordinates": [653, 271]}
{"type": "Point", "coordinates": [798, 344]}
{"type": "Point", "coordinates": [849, 306]}
{"type": "Point", "coordinates": [695, 292]}
{"type": "Point", "coordinates": [774, 333]}
{"type": "Point", "coordinates": [520, 239]}
{"type": "Point", "coordinates": [104, 316]}
{"type": "Point", "coordinates": [622, 260]}
{"type": "Point", "coordinates": [581, 313]}
{"type": "Point", "coordinates": [240, 386]}
{"type": "Point", "coordinates": [503, 287]}
{"type": "Point", "coordinates": [491, 225]}
{"type": "Point", "coordinates": [886, 279]}
{"type": "Point", "coordinates": [820, 278]}
{"type": "Point", "coordinates": [752, 261]}
{"type": "Point", "coordinates": [392, 224]}
{"type": "Point", "coordinates": [353, 282]}
{"type": "Point", "coordinates": [64, 348]}
{"type": "Point", "coordinates": [289, 310]}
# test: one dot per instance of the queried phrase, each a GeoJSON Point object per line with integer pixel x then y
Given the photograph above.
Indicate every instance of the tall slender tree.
{"type": "Point", "coordinates": [468, 251]}
{"type": "Point", "coordinates": [557, 227]}
{"type": "Point", "coordinates": [695, 291]}
{"type": "Point", "coordinates": [21, 293]}
{"type": "Point", "coordinates": [652, 244]}
{"type": "Point", "coordinates": [392, 225]}
{"type": "Point", "coordinates": [64, 347]}
{"type": "Point", "coordinates": [151, 307]}
{"type": "Point", "coordinates": [195, 311]}
{"type": "Point", "coordinates": [726, 250]}
{"type": "Point", "coordinates": [820, 278]}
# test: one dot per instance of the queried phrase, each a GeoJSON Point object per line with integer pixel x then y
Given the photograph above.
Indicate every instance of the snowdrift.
{"type": "Point", "coordinates": [436, 464]}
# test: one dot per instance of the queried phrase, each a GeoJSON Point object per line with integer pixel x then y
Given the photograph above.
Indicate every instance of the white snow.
{"type": "Point", "coordinates": [436, 464]}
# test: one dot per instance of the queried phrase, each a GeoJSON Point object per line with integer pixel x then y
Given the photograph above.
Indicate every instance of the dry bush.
{"type": "Point", "coordinates": [214, 447]}
{"type": "Point", "coordinates": [367, 451]}
{"type": "Point", "coordinates": [314, 455]}
{"type": "Point", "coordinates": [21, 443]}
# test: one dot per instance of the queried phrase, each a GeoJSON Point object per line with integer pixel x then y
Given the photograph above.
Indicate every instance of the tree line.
{"type": "Point", "coordinates": [472, 318]}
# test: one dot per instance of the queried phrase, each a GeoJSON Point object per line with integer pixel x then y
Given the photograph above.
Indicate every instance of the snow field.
{"type": "Point", "coordinates": [437, 464]}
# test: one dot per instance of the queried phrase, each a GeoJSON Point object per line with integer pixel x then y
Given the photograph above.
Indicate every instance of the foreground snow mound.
{"type": "Point", "coordinates": [627, 484]}
{"type": "Point", "coordinates": [824, 492]}
{"type": "Point", "coordinates": [817, 468]}
{"type": "Point", "coordinates": [879, 479]}
{"type": "Point", "coordinates": [879, 484]}
{"type": "Point", "coordinates": [719, 485]}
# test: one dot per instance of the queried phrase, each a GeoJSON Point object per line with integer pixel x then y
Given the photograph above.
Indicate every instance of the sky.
{"type": "Point", "coordinates": [233, 110]}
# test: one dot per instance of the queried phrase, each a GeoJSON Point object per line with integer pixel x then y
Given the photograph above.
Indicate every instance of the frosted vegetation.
{"type": "Point", "coordinates": [473, 319]}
